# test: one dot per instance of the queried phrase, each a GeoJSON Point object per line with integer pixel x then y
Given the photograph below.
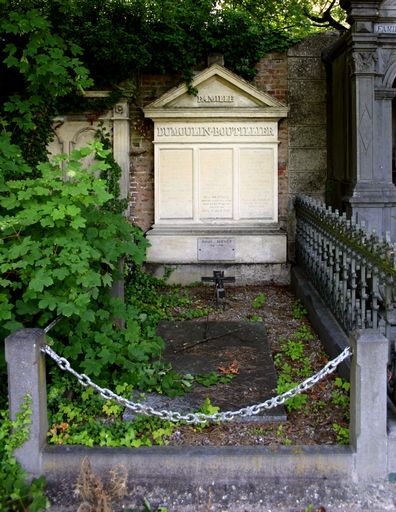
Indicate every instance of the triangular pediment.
{"type": "Point", "coordinates": [219, 93]}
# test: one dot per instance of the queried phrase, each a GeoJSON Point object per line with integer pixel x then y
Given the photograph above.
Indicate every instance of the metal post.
{"type": "Point", "coordinates": [26, 376]}
{"type": "Point", "coordinates": [368, 435]}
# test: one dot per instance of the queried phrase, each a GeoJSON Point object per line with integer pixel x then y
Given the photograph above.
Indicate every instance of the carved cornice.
{"type": "Point", "coordinates": [385, 94]}
{"type": "Point", "coordinates": [361, 10]}
{"type": "Point", "coordinates": [363, 62]}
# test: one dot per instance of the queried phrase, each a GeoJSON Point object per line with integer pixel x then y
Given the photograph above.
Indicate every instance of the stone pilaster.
{"type": "Point", "coordinates": [366, 179]}
{"type": "Point", "coordinates": [368, 435]}
{"type": "Point", "coordinates": [26, 378]}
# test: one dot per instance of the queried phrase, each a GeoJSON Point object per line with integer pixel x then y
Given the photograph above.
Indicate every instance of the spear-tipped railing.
{"type": "Point", "coordinates": [353, 270]}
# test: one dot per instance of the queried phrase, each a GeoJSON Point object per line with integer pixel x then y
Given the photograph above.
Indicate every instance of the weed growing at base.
{"type": "Point", "coordinates": [292, 365]}
{"type": "Point", "coordinates": [340, 398]}
{"type": "Point", "coordinates": [299, 311]}
{"type": "Point", "coordinates": [80, 416]}
{"type": "Point", "coordinates": [259, 301]}
{"type": "Point", "coordinates": [15, 493]}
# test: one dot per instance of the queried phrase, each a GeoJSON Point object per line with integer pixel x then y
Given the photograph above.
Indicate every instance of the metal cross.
{"type": "Point", "coordinates": [218, 279]}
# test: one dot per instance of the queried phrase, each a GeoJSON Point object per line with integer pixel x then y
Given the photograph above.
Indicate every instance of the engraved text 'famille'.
{"type": "Point", "coordinates": [215, 98]}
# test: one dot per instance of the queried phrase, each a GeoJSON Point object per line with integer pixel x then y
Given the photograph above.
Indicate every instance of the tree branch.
{"type": "Point", "coordinates": [327, 18]}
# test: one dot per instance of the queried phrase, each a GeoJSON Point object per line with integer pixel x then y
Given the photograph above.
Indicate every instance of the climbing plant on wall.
{"type": "Point", "coordinates": [37, 67]}
{"type": "Point", "coordinates": [62, 232]}
{"type": "Point", "coordinates": [118, 38]}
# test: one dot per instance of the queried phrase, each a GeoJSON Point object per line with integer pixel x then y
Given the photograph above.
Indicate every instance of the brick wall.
{"type": "Point", "coordinates": [296, 78]}
{"type": "Point", "coordinates": [141, 207]}
{"type": "Point", "coordinates": [272, 74]}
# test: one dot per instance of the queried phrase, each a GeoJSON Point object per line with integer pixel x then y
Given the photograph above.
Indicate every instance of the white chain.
{"type": "Point", "coordinates": [198, 417]}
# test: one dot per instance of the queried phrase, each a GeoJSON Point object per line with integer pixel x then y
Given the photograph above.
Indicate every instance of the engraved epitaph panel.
{"type": "Point", "coordinates": [216, 183]}
{"type": "Point", "coordinates": [216, 171]}
{"type": "Point", "coordinates": [175, 183]}
{"type": "Point", "coordinates": [256, 178]}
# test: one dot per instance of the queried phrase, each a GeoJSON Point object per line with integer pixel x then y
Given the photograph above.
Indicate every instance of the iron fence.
{"type": "Point", "coordinates": [353, 270]}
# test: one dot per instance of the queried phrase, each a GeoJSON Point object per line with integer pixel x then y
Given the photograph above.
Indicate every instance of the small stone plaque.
{"type": "Point", "coordinates": [213, 249]}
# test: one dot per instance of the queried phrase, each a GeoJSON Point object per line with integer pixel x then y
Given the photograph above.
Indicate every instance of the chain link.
{"type": "Point", "coordinates": [197, 418]}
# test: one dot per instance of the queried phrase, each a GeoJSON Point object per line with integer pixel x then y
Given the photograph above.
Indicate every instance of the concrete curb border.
{"type": "Point", "coordinates": [175, 468]}
{"type": "Point", "coordinates": [181, 466]}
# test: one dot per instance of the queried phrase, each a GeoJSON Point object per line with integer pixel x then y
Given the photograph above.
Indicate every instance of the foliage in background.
{"type": "Point", "coordinates": [119, 39]}
{"type": "Point", "coordinates": [37, 67]}
{"type": "Point", "coordinates": [162, 36]}
{"type": "Point", "coordinates": [15, 494]}
{"type": "Point", "coordinates": [297, 17]}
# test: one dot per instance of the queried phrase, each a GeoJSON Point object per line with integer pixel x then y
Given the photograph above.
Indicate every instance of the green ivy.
{"type": "Point", "coordinates": [111, 173]}
{"type": "Point", "coordinates": [38, 66]}
{"type": "Point", "coordinates": [16, 495]}
{"type": "Point", "coordinates": [117, 39]}
{"type": "Point", "coordinates": [60, 249]}
{"type": "Point", "coordinates": [292, 365]}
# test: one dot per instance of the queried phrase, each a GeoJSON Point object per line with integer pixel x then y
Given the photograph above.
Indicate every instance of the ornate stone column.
{"type": "Point", "coordinates": [370, 194]}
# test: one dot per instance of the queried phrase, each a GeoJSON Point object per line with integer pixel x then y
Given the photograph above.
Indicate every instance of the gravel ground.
{"type": "Point", "coordinates": [296, 496]}
{"type": "Point", "coordinates": [312, 425]}
{"type": "Point", "coordinates": [269, 496]}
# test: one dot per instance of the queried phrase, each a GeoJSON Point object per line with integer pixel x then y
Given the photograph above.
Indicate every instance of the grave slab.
{"type": "Point", "coordinates": [198, 347]}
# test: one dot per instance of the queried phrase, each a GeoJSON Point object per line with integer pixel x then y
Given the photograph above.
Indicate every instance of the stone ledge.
{"type": "Point", "coordinates": [245, 274]}
{"type": "Point", "coordinates": [180, 247]}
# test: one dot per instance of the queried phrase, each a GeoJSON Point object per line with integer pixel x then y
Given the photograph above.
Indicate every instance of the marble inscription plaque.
{"type": "Point", "coordinates": [256, 189]}
{"type": "Point", "coordinates": [213, 249]}
{"type": "Point", "coordinates": [176, 184]}
{"type": "Point", "coordinates": [216, 178]}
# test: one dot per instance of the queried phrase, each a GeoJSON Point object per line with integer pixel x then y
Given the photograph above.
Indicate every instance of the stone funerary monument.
{"type": "Point", "coordinates": [216, 179]}
{"type": "Point", "coordinates": [210, 177]}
